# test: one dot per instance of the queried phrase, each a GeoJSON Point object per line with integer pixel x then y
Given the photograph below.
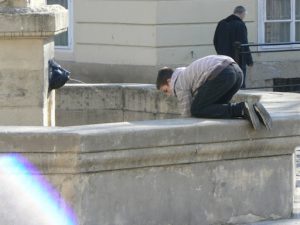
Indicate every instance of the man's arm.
{"type": "Point", "coordinates": [243, 38]}
{"type": "Point", "coordinates": [216, 37]}
{"type": "Point", "coordinates": [185, 99]}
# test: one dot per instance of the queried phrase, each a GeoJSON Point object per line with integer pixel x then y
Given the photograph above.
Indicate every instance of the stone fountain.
{"type": "Point", "coordinates": [27, 29]}
{"type": "Point", "coordinates": [172, 171]}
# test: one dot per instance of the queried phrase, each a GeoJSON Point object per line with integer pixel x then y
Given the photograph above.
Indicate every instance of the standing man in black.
{"type": "Point", "coordinates": [230, 30]}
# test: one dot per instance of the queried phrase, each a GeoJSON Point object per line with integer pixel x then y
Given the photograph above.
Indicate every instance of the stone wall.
{"type": "Point", "coordinates": [78, 104]}
{"type": "Point", "coordinates": [173, 171]}
{"type": "Point", "coordinates": [263, 73]}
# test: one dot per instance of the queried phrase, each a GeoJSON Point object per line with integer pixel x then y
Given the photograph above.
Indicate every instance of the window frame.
{"type": "Point", "coordinates": [262, 14]}
{"type": "Point", "coordinates": [70, 30]}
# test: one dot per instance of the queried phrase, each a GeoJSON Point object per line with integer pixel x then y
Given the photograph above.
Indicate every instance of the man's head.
{"type": "Point", "coordinates": [240, 11]}
{"type": "Point", "coordinates": [163, 81]}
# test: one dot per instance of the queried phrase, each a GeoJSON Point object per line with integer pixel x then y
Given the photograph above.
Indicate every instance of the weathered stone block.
{"type": "Point", "coordinates": [160, 116]}
{"type": "Point", "coordinates": [142, 99]}
{"type": "Point", "coordinates": [83, 97]}
{"type": "Point", "coordinates": [79, 117]}
{"type": "Point", "coordinates": [224, 192]}
{"type": "Point", "coordinates": [135, 116]}
{"type": "Point", "coordinates": [22, 3]}
{"type": "Point", "coordinates": [104, 116]}
{"type": "Point", "coordinates": [27, 116]}
{"type": "Point", "coordinates": [70, 117]}
{"type": "Point", "coordinates": [104, 97]}
{"type": "Point", "coordinates": [42, 21]}
{"type": "Point", "coordinates": [167, 104]}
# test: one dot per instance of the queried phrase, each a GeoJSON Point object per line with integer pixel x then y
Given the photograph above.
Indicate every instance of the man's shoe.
{"type": "Point", "coordinates": [263, 115]}
{"type": "Point", "coordinates": [251, 116]}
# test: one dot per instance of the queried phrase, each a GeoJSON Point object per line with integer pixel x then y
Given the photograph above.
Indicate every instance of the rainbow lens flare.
{"type": "Point", "coordinates": [26, 198]}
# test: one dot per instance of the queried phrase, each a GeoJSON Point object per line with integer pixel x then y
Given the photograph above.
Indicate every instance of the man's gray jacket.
{"type": "Point", "coordinates": [185, 81]}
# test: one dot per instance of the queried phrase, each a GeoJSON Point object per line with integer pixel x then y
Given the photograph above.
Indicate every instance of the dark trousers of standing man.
{"type": "Point", "coordinates": [212, 99]}
{"type": "Point", "coordinates": [244, 69]}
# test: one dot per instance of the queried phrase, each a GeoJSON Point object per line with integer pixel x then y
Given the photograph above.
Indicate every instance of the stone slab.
{"type": "Point", "coordinates": [98, 149]}
{"type": "Point", "coordinates": [42, 21]}
{"type": "Point", "coordinates": [220, 192]}
{"type": "Point", "coordinates": [136, 116]}
{"type": "Point", "coordinates": [89, 97]}
{"type": "Point", "coordinates": [24, 82]}
{"type": "Point", "coordinates": [140, 99]}
{"type": "Point", "coordinates": [88, 117]}
{"type": "Point", "coordinates": [21, 3]}
{"type": "Point", "coordinates": [30, 116]}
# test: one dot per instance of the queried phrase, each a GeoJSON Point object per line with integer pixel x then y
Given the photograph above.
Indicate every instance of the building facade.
{"type": "Point", "coordinates": [127, 41]}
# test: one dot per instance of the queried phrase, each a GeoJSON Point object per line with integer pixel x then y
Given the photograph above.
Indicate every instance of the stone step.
{"type": "Point", "coordinates": [279, 222]}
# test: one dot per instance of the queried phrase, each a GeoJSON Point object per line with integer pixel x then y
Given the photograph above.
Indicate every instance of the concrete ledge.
{"type": "Point", "coordinates": [105, 103]}
{"type": "Point", "coordinates": [131, 102]}
{"type": "Point", "coordinates": [168, 142]}
{"type": "Point", "coordinates": [21, 3]}
{"type": "Point", "coordinates": [42, 21]}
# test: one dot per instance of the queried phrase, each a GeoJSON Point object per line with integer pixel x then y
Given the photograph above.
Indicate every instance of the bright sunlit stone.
{"type": "Point", "coordinates": [27, 198]}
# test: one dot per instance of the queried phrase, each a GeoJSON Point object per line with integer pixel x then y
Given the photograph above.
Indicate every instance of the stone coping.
{"type": "Point", "coordinates": [42, 21]}
{"type": "Point", "coordinates": [127, 145]}
{"type": "Point", "coordinates": [82, 104]}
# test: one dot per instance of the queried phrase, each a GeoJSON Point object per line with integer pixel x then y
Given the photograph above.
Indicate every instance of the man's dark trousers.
{"type": "Point", "coordinates": [244, 69]}
{"type": "Point", "coordinates": [213, 97]}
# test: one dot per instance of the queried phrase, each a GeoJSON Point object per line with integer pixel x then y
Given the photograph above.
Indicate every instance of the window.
{"type": "Point", "coordinates": [63, 40]}
{"type": "Point", "coordinates": [279, 21]}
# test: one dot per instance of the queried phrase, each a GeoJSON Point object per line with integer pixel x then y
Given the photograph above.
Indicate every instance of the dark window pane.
{"type": "Point", "coordinates": [278, 9]}
{"type": "Point", "coordinates": [64, 3]}
{"type": "Point", "coordinates": [298, 31]}
{"type": "Point", "coordinates": [297, 9]}
{"type": "Point", "coordinates": [277, 32]}
{"type": "Point", "coordinates": [62, 38]}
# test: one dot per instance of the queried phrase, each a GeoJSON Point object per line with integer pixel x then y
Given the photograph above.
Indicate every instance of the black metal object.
{"type": "Point", "coordinates": [279, 88]}
{"type": "Point", "coordinates": [238, 48]}
{"type": "Point", "coordinates": [280, 84]}
{"type": "Point", "coordinates": [269, 51]}
{"type": "Point", "coordinates": [271, 44]}
{"type": "Point", "coordinates": [286, 84]}
{"type": "Point", "coordinates": [58, 76]}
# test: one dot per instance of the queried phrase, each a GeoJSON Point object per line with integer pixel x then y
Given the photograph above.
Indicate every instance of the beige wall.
{"type": "Point", "coordinates": [127, 41]}
{"type": "Point", "coordinates": [115, 32]}
{"type": "Point", "coordinates": [146, 32]}
{"type": "Point", "coordinates": [186, 28]}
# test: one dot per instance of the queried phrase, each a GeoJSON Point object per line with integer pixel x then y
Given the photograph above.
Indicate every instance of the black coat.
{"type": "Point", "coordinates": [229, 30]}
